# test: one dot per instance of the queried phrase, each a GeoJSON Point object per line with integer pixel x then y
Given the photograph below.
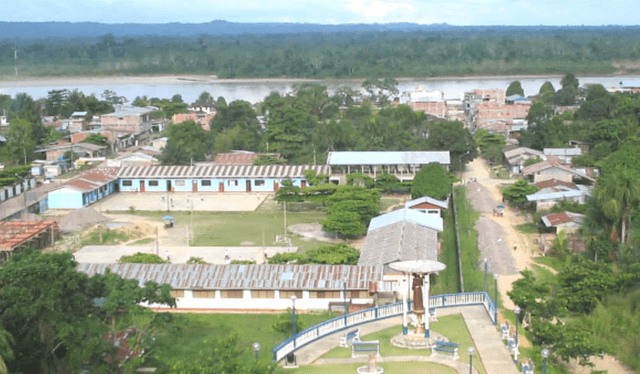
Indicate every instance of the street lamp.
{"type": "Point", "coordinates": [256, 348]}
{"type": "Point", "coordinates": [516, 310]}
{"type": "Point", "coordinates": [293, 326]}
{"type": "Point", "coordinates": [495, 278]}
{"type": "Point", "coordinates": [470, 352]}
{"type": "Point", "coordinates": [545, 355]}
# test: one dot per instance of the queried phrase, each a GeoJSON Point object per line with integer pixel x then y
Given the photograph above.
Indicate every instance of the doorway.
{"type": "Point", "coordinates": [248, 186]}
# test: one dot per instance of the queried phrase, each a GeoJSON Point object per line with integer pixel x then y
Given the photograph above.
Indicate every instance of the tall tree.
{"type": "Point", "coordinates": [618, 189]}
{"type": "Point", "coordinates": [432, 180]}
{"type": "Point", "coordinates": [20, 141]}
{"type": "Point", "coordinates": [452, 136]}
{"type": "Point", "coordinates": [515, 88]}
{"type": "Point", "coordinates": [187, 142]}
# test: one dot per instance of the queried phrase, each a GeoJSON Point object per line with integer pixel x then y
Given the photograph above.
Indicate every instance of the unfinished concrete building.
{"type": "Point", "coordinates": [17, 235]}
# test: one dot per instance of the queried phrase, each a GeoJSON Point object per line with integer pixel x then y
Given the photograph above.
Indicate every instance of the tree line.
{"type": "Point", "coordinates": [334, 55]}
{"type": "Point", "coordinates": [305, 126]}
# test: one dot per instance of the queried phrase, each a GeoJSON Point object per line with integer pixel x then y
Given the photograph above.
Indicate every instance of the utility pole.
{"type": "Point", "coordinates": [285, 220]}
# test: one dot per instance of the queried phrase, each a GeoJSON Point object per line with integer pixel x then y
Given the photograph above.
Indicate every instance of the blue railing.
{"type": "Point", "coordinates": [376, 314]}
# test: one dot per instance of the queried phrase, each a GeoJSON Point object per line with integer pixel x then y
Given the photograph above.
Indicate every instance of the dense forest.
{"type": "Point", "coordinates": [431, 52]}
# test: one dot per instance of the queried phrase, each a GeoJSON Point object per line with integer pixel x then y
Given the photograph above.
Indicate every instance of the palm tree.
{"type": "Point", "coordinates": [618, 193]}
{"type": "Point", "coordinates": [5, 349]}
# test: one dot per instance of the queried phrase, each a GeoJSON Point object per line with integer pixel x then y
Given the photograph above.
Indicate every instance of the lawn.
{"type": "Point", "coordinates": [142, 241]}
{"type": "Point", "coordinates": [387, 202]}
{"type": "Point", "coordinates": [386, 349]}
{"type": "Point", "coordinates": [241, 228]}
{"type": "Point", "coordinates": [193, 329]}
{"type": "Point", "coordinates": [390, 367]}
{"type": "Point", "coordinates": [452, 326]}
{"type": "Point", "coordinates": [528, 228]}
{"type": "Point", "coordinates": [448, 281]}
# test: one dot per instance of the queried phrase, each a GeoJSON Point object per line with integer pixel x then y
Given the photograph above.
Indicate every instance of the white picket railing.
{"type": "Point", "coordinates": [375, 314]}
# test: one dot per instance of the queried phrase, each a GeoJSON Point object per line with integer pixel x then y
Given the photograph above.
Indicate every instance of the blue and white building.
{"type": "Point", "coordinates": [84, 190]}
{"type": "Point", "coordinates": [213, 178]}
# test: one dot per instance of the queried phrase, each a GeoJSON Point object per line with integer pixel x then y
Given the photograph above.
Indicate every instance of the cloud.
{"type": "Point", "coordinates": [382, 10]}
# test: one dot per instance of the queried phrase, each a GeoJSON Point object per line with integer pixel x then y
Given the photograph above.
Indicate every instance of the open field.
{"type": "Point", "coordinates": [182, 201]}
{"type": "Point", "coordinates": [226, 229]}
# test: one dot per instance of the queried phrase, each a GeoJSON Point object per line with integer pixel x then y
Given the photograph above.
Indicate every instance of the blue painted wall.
{"type": "Point", "coordinates": [65, 199]}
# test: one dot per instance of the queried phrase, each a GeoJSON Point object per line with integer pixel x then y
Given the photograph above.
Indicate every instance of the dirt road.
{"type": "Point", "coordinates": [497, 237]}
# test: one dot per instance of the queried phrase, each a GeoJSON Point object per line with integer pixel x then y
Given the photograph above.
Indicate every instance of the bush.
{"type": "Point", "coordinates": [142, 258]}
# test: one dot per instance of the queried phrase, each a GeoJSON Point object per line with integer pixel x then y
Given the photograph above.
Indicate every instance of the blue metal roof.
{"type": "Point", "coordinates": [427, 220]}
{"type": "Point", "coordinates": [388, 158]}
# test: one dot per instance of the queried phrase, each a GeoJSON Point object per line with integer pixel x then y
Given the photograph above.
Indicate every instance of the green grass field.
{"type": "Point", "coordinates": [452, 326]}
{"type": "Point", "coordinates": [187, 341]}
{"type": "Point", "coordinates": [236, 228]}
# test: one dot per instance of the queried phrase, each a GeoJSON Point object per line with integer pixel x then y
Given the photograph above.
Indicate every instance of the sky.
{"type": "Point", "coordinates": [454, 12]}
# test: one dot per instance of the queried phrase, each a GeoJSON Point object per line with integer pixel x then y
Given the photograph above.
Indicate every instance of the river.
{"type": "Point", "coordinates": [257, 89]}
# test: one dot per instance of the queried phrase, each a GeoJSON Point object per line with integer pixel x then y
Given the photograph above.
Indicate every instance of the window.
{"type": "Point", "coordinates": [231, 294]}
{"type": "Point", "coordinates": [204, 294]}
{"type": "Point", "coordinates": [205, 183]}
{"type": "Point", "coordinates": [153, 183]}
{"type": "Point", "coordinates": [180, 183]}
{"type": "Point", "coordinates": [127, 183]}
{"type": "Point", "coordinates": [357, 294]}
{"type": "Point", "coordinates": [324, 294]}
{"type": "Point", "coordinates": [259, 182]}
{"type": "Point", "coordinates": [177, 293]}
{"type": "Point", "coordinates": [262, 294]}
{"type": "Point", "coordinates": [288, 294]}
{"type": "Point", "coordinates": [232, 183]}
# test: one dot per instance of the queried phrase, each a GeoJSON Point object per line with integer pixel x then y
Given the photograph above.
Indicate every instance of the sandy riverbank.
{"type": "Point", "coordinates": [10, 81]}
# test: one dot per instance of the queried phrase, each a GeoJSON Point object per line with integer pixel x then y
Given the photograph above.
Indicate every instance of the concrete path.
{"type": "Point", "coordinates": [492, 351]}
{"type": "Point", "coordinates": [178, 254]}
{"type": "Point", "coordinates": [490, 348]}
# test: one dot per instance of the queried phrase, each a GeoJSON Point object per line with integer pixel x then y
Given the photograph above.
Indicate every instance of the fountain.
{"type": "Point", "coordinates": [371, 367]}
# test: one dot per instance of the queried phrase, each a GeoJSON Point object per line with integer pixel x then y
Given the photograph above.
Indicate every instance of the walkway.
{"type": "Point", "coordinates": [492, 352]}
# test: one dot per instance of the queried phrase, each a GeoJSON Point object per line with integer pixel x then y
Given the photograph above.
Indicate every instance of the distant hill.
{"type": "Point", "coordinates": [39, 30]}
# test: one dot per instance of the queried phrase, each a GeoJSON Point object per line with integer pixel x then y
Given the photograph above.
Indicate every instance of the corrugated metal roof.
{"type": "Point", "coordinates": [131, 111]}
{"type": "Point", "coordinates": [429, 200]}
{"type": "Point", "coordinates": [91, 180]}
{"type": "Point", "coordinates": [224, 277]}
{"type": "Point", "coordinates": [407, 215]}
{"type": "Point", "coordinates": [388, 158]}
{"type": "Point", "coordinates": [556, 195]}
{"type": "Point", "coordinates": [400, 241]}
{"type": "Point", "coordinates": [575, 151]}
{"type": "Point", "coordinates": [221, 171]}
{"type": "Point", "coordinates": [562, 217]}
